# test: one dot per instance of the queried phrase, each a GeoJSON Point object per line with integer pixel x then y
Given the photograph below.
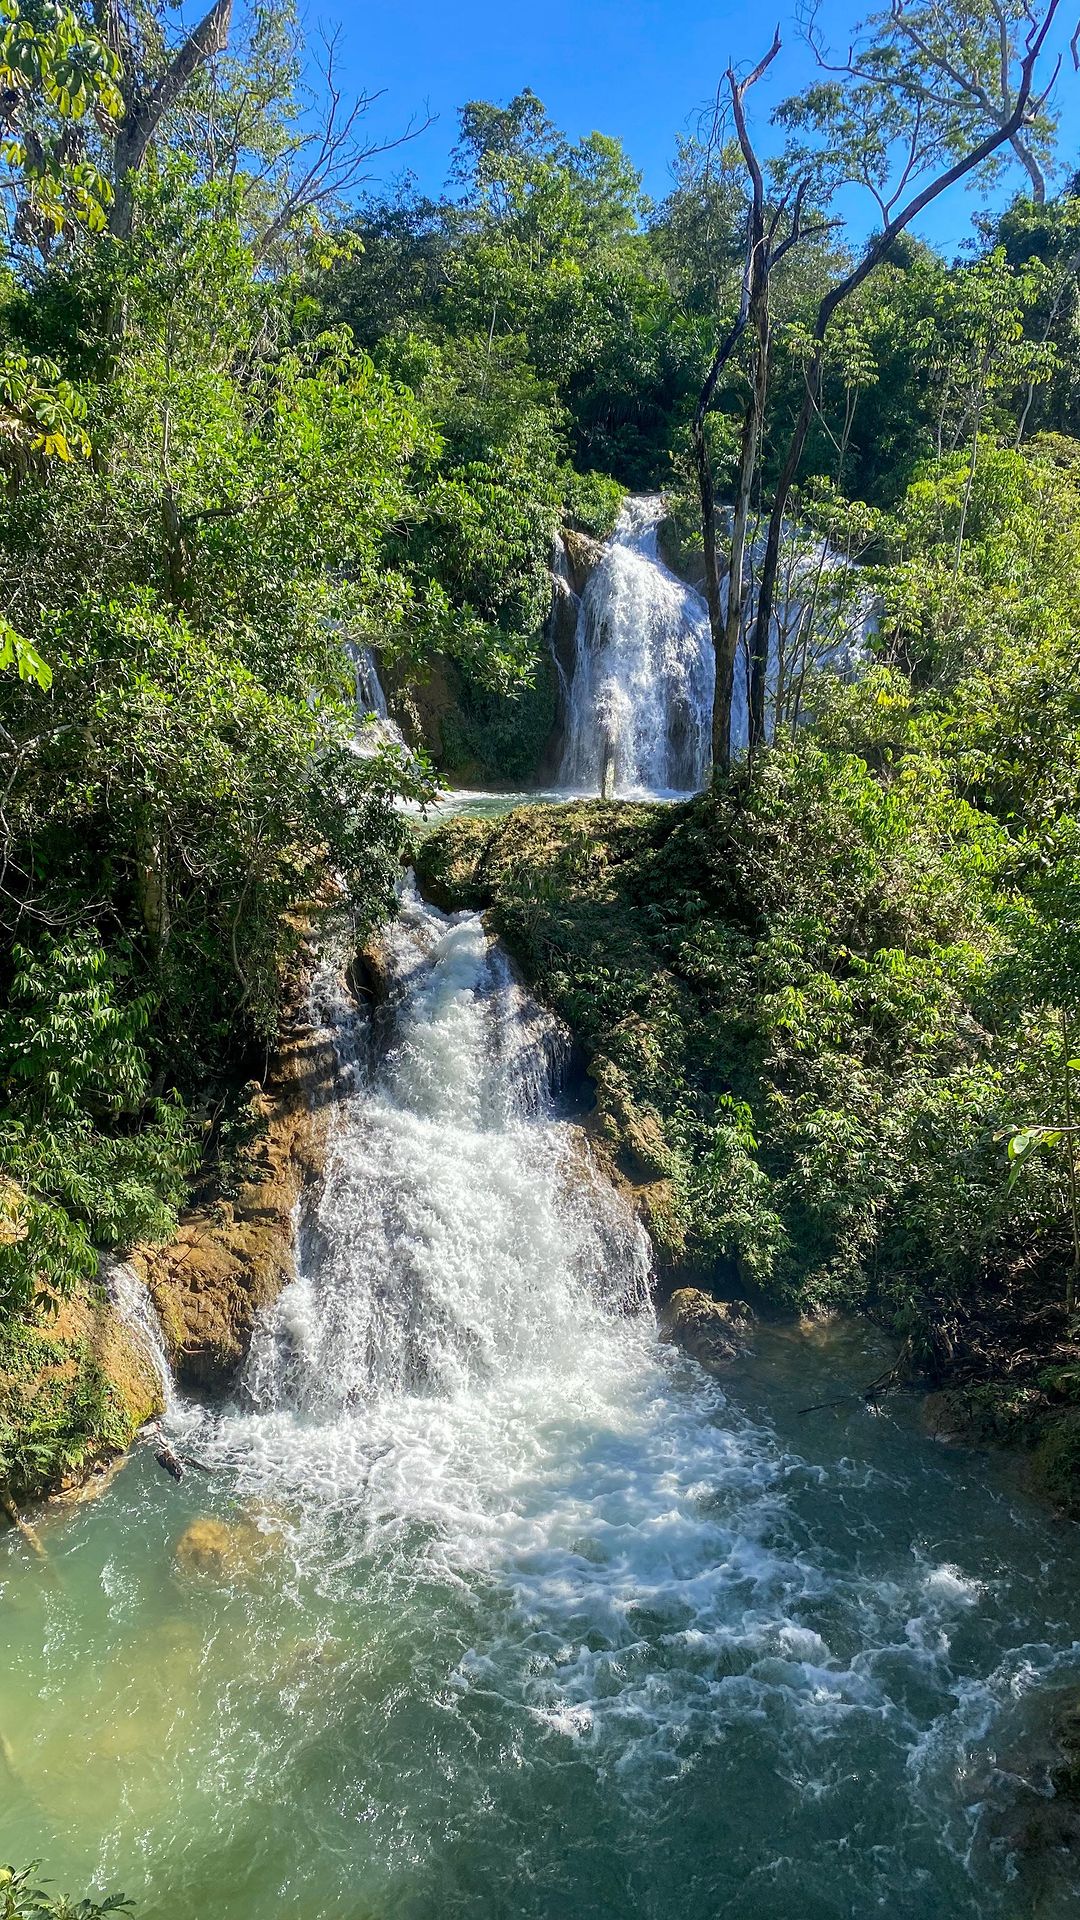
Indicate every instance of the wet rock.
{"type": "Point", "coordinates": [228, 1549]}
{"type": "Point", "coordinates": [369, 976]}
{"type": "Point", "coordinates": [582, 555]}
{"type": "Point", "coordinates": [230, 1259]}
{"type": "Point", "coordinates": [711, 1331]}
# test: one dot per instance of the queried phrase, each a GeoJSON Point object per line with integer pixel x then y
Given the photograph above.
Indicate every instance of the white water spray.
{"type": "Point", "coordinates": [493, 1577]}
{"type": "Point", "coordinates": [642, 685]}
{"type": "Point", "coordinates": [131, 1299]}
{"type": "Point", "coordinates": [465, 1266]}
{"type": "Point", "coordinates": [640, 696]}
{"type": "Point", "coordinates": [374, 727]}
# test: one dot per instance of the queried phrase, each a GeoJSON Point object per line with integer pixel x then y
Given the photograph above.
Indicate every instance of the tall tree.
{"type": "Point", "coordinates": [771, 231]}
{"type": "Point", "coordinates": [874, 119]}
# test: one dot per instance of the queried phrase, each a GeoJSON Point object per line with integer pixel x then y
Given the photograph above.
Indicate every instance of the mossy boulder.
{"type": "Point", "coordinates": [713, 1332]}
{"type": "Point", "coordinates": [475, 735]}
{"type": "Point", "coordinates": [74, 1391]}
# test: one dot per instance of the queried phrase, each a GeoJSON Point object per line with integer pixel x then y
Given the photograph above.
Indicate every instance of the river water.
{"type": "Point", "coordinates": [495, 1605]}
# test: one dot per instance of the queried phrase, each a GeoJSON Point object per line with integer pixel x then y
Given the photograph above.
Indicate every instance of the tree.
{"type": "Point", "coordinates": [57, 78]}
{"type": "Point", "coordinates": [957, 70]}
{"type": "Point", "coordinates": [866, 121]}
{"type": "Point", "coordinates": [152, 91]}
{"type": "Point", "coordinates": [771, 232]}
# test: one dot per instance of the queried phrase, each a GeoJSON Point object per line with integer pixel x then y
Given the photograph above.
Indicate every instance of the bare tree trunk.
{"type": "Point", "coordinates": [753, 421]}
{"type": "Point", "coordinates": [151, 896]}
{"type": "Point", "coordinates": [146, 110]}
{"type": "Point", "coordinates": [753, 304]}
{"type": "Point", "coordinates": [721, 713]}
{"type": "Point", "coordinates": [875, 252]}
{"type": "Point", "coordinates": [725, 658]}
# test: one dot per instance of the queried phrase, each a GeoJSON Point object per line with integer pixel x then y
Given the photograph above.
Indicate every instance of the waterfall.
{"type": "Point", "coordinates": [463, 1239]}
{"type": "Point", "coordinates": [132, 1302]}
{"type": "Point", "coordinates": [642, 686]}
{"type": "Point", "coordinates": [485, 1600]}
{"type": "Point", "coordinates": [641, 691]}
{"type": "Point", "coordinates": [374, 727]}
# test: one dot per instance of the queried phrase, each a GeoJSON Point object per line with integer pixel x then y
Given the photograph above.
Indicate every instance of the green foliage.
{"type": "Point", "coordinates": [89, 1158]}
{"type": "Point", "coordinates": [57, 75]}
{"type": "Point", "coordinates": [592, 502]}
{"type": "Point", "coordinates": [181, 790]}
{"type": "Point", "coordinates": [24, 1900]}
{"type": "Point", "coordinates": [61, 1409]}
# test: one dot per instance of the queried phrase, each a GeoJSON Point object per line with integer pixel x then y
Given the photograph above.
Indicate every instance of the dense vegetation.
{"type": "Point", "coordinates": [253, 420]}
{"type": "Point", "coordinates": [247, 416]}
{"type": "Point", "coordinates": [820, 1002]}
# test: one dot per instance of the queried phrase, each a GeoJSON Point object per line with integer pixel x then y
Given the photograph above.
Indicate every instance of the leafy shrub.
{"type": "Point", "coordinates": [21, 1899]}
{"type": "Point", "coordinates": [592, 503]}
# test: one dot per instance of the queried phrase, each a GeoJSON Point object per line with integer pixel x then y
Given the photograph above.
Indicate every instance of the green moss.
{"type": "Point", "coordinates": [1061, 1384]}
{"type": "Point", "coordinates": [72, 1393]}
{"type": "Point", "coordinates": [1057, 1460]}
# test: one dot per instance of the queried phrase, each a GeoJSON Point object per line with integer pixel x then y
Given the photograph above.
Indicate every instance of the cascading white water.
{"type": "Point", "coordinates": [482, 1600]}
{"type": "Point", "coordinates": [134, 1306]}
{"type": "Point", "coordinates": [464, 1248]}
{"type": "Point", "coordinates": [642, 684]}
{"type": "Point", "coordinates": [374, 727]}
{"type": "Point", "coordinates": [641, 690]}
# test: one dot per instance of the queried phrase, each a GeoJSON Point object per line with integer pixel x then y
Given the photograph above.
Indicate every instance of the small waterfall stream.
{"type": "Point", "coordinates": [483, 1602]}
{"type": "Point", "coordinates": [374, 727]}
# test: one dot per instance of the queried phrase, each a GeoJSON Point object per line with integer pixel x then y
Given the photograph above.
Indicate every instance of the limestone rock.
{"type": "Point", "coordinates": [231, 1258]}
{"type": "Point", "coordinates": [711, 1331]}
{"type": "Point", "coordinates": [582, 555]}
{"type": "Point", "coordinates": [225, 1548]}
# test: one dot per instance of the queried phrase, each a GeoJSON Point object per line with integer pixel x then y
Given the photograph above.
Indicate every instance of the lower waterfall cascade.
{"type": "Point", "coordinates": [480, 1600]}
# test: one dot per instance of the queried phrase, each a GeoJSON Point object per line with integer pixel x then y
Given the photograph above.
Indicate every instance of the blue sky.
{"type": "Point", "coordinates": [640, 69]}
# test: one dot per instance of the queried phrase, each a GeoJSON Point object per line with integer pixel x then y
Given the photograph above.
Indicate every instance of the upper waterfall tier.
{"type": "Point", "coordinates": [642, 687]}
{"type": "Point", "coordinates": [638, 699]}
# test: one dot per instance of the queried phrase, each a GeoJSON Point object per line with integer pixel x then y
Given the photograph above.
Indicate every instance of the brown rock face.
{"type": "Point", "coordinates": [562, 624]}
{"type": "Point", "coordinates": [582, 554]}
{"type": "Point", "coordinates": [711, 1331]}
{"type": "Point", "coordinates": [231, 1259]}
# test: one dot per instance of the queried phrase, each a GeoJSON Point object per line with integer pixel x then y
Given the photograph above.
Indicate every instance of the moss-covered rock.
{"type": "Point", "coordinates": [712, 1331]}
{"type": "Point", "coordinates": [74, 1390]}
{"type": "Point", "coordinates": [476, 736]}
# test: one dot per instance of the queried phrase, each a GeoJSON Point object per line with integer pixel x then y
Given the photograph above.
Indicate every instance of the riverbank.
{"type": "Point", "coordinates": [77, 1378]}
{"type": "Point", "coordinates": [807, 1110]}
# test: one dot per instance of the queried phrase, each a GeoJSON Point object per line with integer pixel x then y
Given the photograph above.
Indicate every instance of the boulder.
{"type": "Point", "coordinates": [711, 1331]}
{"type": "Point", "coordinates": [582, 555]}
{"type": "Point", "coordinates": [225, 1548]}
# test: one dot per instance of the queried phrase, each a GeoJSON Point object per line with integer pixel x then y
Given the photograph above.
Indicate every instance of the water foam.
{"type": "Point", "coordinates": [528, 1538]}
